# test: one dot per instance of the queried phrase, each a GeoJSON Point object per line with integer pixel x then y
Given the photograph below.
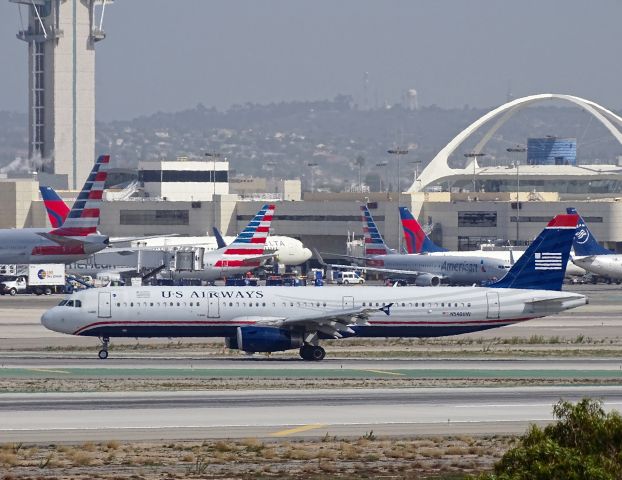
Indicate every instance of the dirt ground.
{"type": "Point", "coordinates": [330, 457]}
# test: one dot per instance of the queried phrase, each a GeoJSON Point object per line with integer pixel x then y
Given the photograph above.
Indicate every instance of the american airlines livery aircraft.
{"type": "Point", "coordinates": [270, 319]}
{"type": "Point", "coordinates": [287, 250]}
{"type": "Point", "coordinates": [77, 238]}
{"type": "Point", "coordinates": [592, 256]}
{"type": "Point", "coordinates": [426, 270]}
{"type": "Point", "coordinates": [417, 241]}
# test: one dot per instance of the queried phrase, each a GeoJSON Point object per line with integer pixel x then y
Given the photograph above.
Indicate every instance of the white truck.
{"type": "Point", "coordinates": [41, 279]}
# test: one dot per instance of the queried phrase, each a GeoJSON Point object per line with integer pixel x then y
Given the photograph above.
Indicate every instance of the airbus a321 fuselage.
{"type": "Point", "coordinates": [269, 319]}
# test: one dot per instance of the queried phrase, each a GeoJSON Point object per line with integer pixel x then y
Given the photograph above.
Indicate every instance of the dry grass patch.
{"type": "Point", "coordinates": [8, 459]}
{"type": "Point", "coordinates": [80, 458]}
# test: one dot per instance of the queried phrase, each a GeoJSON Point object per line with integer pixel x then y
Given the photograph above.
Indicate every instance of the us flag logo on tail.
{"type": "Point", "coordinates": [548, 261]}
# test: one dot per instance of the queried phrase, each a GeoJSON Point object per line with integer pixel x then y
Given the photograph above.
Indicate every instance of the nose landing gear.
{"type": "Point", "coordinates": [313, 353]}
{"type": "Point", "coordinates": [103, 353]}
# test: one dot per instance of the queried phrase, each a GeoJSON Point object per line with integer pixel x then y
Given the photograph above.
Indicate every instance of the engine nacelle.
{"type": "Point", "coordinates": [264, 339]}
{"type": "Point", "coordinates": [427, 280]}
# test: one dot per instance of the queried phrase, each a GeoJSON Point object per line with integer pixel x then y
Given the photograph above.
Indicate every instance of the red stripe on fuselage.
{"type": "Point", "coordinates": [58, 250]}
{"type": "Point", "coordinates": [244, 251]}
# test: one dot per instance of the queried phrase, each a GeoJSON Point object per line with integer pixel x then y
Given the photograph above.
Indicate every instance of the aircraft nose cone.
{"type": "Point", "coordinates": [307, 254]}
{"type": "Point", "coordinates": [45, 320]}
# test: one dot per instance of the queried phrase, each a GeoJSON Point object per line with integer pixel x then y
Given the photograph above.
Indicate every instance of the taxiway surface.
{"type": "Point", "coordinates": [192, 415]}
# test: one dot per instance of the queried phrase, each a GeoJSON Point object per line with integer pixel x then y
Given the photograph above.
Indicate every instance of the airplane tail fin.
{"type": "Point", "coordinates": [415, 238]}
{"type": "Point", "coordinates": [56, 207]}
{"type": "Point", "coordinates": [374, 243]}
{"type": "Point", "coordinates": [543, 265]}
{"type": "Point", "coordinates": [83, 217]}
{"type": "Point", "coordinates": [252, 239]}
{"type": "Point", "coordinates": [585, 242]}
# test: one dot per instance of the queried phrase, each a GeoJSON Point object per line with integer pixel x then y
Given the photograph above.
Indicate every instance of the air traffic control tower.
{"type": "Point", "coordinates": [61, 37]}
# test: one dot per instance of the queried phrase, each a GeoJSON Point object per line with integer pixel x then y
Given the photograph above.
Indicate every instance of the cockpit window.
{"type": "Point", "coordinates": [77, 303]}
{"type": "Point", "coordinates": [69, 303]}
{"type": "Point", "coordinates": [62, 303]}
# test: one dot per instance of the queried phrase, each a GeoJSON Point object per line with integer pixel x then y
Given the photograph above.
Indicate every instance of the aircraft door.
{"type": "Point", "coordinates": [104, 305]}
{"type": "Point", "coordinates": [493, 308]}
{"type": "Point", "coordinates": [213, 306]}
{"type": "Point", "coordinates": [348, 302]}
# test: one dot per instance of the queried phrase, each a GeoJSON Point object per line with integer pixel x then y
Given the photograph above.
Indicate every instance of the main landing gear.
{"type": "Point", "coordinates": [103, 353]}
{"type": "Point", "coordinates": [312, 352]}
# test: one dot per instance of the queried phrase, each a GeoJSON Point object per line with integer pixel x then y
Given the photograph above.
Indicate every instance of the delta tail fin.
{"type": "Point", "coordinates": [83, 217]}
{"type": "Point", "coordinates": [585, 243]}
{"type": "Point", "coordinates": [543, 265]}
{"type": "Point", "coordinates": [56, 207]}
{"type": "Point", "coordinates": [415, 238]}
{"type": "Point", "coordinates": [374, 243]}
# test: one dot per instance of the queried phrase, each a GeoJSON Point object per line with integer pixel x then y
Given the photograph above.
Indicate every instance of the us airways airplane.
{"type": "Point", "coordinates": [287, 250]}
{"type": "Point", "coordinates": [426, 270]}
{"type": "Point", "coordinates": [270, 319]}
{"type": "Point", "coordinates": [77, 238]}
{"type": "Point", "coordinates": [417, 241]}
{"type": "Point", "coordinates": [591, 256]}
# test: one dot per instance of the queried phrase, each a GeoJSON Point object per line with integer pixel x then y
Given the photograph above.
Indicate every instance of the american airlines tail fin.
{"type": "Point", "coordinates": [56, 207]}
{"type": "Point", "coordinates": [248, 247]}
{"type": "Point", "coordinates": [374, 243]}
{"type": "Point", "coordinates": [415, 238]}
{"type": "Point", "coordinates": [585, 243]}
{"type": "Point", "coordinates": [543, 265]}
{"type": "Point", "coordinates": [83, 217]}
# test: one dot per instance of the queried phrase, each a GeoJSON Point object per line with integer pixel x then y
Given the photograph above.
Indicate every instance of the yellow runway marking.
{"type": "Point", "coordinates": [45, 370]}
{"type": "Point", "coordinates": [386, 372]}
{"type": "Point", "coordinates": [303, 428]}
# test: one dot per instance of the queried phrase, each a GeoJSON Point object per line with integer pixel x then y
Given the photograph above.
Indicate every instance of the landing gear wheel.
{"type": "Point", "coordinates": [305, 352]}
{"type": "Point", "coordinates": [103, 353]}
{"type": "Point", "coordinates": [317, 354]}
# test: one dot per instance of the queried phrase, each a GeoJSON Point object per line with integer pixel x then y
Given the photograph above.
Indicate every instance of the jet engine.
{"type": "Point", "coordinates": [427, 280]}
{"type": "Point", "coordinates": [264, 339]}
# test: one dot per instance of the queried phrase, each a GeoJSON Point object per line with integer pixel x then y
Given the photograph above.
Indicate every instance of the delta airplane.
{"type": "Point", "coordinates": [288, 251]}
{"type": "Point", "coordinates": [417, 241]}
{"type": "Point", "coordinates": [426, 270]}
{"type": "Point", "coordinates": [591, 256]}
{"type": "Point", "coordinates": [77, 238]}
{"type": "Point", "coordinates": [270, 319]}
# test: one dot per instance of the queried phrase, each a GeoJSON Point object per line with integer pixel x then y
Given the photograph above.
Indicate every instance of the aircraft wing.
{"type": "Point", "coordinates": [132, 239]}
{"type": "Point", "coordinates": [335, 266]}
{"type": "Point", "coordinates": [332, 323]}
{"type": "Point", "coordinates": [266, 256]}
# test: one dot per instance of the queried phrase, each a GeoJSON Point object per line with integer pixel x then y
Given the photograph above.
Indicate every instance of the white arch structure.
{"type": "Point", "coordinates": [438, 168]}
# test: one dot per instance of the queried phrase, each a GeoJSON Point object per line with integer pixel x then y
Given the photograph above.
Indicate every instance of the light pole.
{"type": "Point", "coordinates": [214, 156]}
{"type": "Point", "coordinates": [398, 152]}
{"type": "Point", "coordinates": [312, 166]}
{"type": "Point", "coordinates": [474, 156]}
{"type": "Point", "coordinates": [386, 170]}
{"type": "Point", "coordinates": [517, 149]}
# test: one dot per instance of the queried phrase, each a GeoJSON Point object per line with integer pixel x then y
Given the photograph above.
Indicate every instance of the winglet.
{"type": "Point", "coordinates": [220, 242]}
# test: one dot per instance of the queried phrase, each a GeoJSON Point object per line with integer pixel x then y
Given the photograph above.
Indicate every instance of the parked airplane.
{"type": "Point", "coordinates": [270, 319]}
{"type": "Point", "coordinates": [77, 238]}
{"type": "Point", "coordinates": [427, 270]}
{"type": "Point", "coordinates": [592, 256]}
{"type": "Point", "coordinates": [288, 251]}
{"type": "Point", "coordinates": [417, 241]}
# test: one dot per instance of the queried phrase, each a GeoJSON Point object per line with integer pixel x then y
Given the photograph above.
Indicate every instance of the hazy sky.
{"type": "Point", "coordinates": [170, 55]}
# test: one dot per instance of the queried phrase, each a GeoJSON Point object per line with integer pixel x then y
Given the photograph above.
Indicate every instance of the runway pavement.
{"type": "Point", "coordinates": [284, 414]}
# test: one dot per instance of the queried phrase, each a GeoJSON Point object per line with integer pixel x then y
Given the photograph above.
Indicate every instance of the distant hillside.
{"type": "Point", "coordinates": [282, 139]}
